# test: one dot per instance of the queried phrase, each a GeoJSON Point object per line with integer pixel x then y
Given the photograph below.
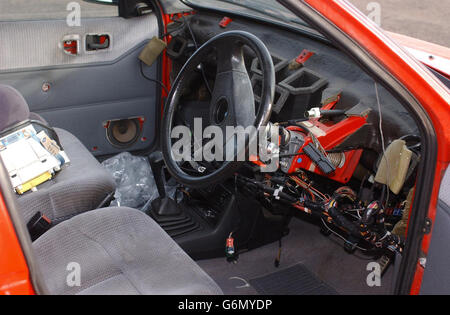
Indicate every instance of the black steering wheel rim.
{"type": "Point", "coordinates": [232, 42]}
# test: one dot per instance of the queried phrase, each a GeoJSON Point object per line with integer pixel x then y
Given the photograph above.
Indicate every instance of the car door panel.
{"type": "Point", "coordinates": [87, 90]}
{"type": "Point", "coordinates": [436, 279]}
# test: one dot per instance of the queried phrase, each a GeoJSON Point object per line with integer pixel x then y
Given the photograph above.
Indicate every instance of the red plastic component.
{"type": "Point", "coordinates": [230, 242]}
{"type": "Point", "coordinates": [71, 47]}
{"type": "Point", "coordinates": [330, 135]}
{"type": "Point", "coordinates": [229, 250]}
{"type": "Point", "coordinates": [304, 56]}
{"type": "Point", "coordinates": [225, 21]}
{"type": "Point", "coordinates": [332, 104]}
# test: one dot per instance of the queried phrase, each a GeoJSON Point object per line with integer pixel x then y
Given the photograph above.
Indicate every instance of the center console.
{"type": "Point", "coordinates": [202, 220]}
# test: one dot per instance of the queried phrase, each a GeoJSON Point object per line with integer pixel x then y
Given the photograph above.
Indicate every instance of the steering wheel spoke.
{"type": "Point", "coordinates": [231, 102]}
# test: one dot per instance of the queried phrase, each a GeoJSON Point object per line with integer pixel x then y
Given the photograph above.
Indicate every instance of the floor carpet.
{"type": "Point", "coordinates": [324, 257]}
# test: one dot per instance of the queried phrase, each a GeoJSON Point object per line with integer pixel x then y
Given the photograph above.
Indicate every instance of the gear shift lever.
{"type": "Point", "coordinates": [157, 166]}
{"type": "Point", "coordinates": [163, 205]}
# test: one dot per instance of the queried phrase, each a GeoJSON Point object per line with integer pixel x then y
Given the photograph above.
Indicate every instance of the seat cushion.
{"type": "Point", "coordinates": [78, 187]}
{"type": "Point", "coordinates": [119, 251]}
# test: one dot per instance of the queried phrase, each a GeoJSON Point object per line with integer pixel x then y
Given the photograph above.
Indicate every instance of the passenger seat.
{"type": "Point", "coordinates": [80, 186]}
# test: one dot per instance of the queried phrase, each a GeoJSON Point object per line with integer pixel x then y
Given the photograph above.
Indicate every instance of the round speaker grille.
{"type": "Point", "coordinates": [123, 133]}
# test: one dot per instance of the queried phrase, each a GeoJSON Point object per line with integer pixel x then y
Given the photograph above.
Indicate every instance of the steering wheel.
{"type": "Point", "coordinates": [232, 100]}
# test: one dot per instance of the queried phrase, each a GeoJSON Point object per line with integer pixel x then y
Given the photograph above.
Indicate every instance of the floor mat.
{"type": "Point", "coordinates": [296, 280]}
{"type": "Point", "coordinates": [324, 256]}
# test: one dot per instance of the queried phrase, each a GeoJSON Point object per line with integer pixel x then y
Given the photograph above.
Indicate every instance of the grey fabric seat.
{"type": "Point", "coordinates": [78, 187]}
{"type": "Point", "coordinates": [119, 251]}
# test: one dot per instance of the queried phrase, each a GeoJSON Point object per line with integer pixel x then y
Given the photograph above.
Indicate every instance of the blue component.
{"type": "Point", "coordinates": [299, 160]}
{"type": "Point", "coordinates": [13, 138]}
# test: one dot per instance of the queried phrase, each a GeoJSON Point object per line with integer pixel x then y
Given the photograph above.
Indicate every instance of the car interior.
{"type": "Point", "coordinates": [137, 221]}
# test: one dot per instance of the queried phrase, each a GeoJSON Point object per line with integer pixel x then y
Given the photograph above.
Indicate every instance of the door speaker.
{"type": "Point", "coordinates": [123, 133]}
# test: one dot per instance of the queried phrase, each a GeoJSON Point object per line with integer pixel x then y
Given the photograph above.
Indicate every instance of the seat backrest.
{"type": "Point", "coordinates": [13, 107]}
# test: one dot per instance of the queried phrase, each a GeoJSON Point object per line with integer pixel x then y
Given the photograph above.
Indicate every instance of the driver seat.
{"type": "Point", "coordinates": [118, 251]}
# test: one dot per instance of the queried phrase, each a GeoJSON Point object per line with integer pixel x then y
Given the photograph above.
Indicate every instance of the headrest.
{"type": "Point", "coordinates": [13, 107]}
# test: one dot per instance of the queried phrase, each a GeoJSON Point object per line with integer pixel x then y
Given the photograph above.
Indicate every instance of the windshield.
{"type": "Point", "coordinates": [270, 8]}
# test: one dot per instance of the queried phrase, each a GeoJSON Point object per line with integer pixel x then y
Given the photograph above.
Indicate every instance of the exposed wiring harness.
{"type": "Point", "coordinates": [179, 28]}
{"type": "Point", "coordinates": [338, 211]}
{"type": "Point", "coordinates": [141, 65]}
{"type": "Point", "coordinates": [380, 126]}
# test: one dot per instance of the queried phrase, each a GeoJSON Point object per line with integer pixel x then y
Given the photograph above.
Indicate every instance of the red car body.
{"type": "Point", "coordinates": [409, 71]}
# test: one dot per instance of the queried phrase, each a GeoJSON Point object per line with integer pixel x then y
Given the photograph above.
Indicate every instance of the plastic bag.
{"type": "Point", "coordinates": [134, 180]}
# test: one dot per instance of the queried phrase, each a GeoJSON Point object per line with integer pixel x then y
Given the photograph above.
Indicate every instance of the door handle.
{"type": "Point", "coordinates": [97, 42]}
